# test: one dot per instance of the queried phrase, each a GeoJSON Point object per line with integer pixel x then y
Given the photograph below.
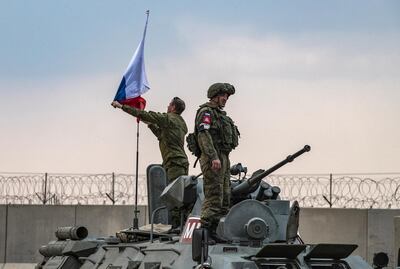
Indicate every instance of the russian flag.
{"type": "Point", "coordinates": [134, 83]}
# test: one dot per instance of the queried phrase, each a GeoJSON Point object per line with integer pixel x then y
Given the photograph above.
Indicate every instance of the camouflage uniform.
{"type": "Point", "coordinates": [170, 129]}
{"type": "Point", "coordinates": [216, 136]}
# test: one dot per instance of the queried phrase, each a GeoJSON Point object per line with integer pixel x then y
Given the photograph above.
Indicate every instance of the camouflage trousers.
{"type": "Point", "coordinates": [217, 192]}
{"type": "Point", "coordinates": [173, 172]}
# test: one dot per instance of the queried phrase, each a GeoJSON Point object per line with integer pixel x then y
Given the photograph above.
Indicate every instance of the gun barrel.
{"type": "Point", "coordinates": [72, 232]}
{"type": "Point", "coordinates": [288, 159]}
{"type": "Point", "coordinates": [54, 248]}
{"type": "Point", "coordinates": [243, 187]}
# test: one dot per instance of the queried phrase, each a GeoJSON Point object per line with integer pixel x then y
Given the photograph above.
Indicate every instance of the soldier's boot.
{"type": "Point", "coordinates": [217, 238]}
{"type": "Point", "coordinates": [212, 234]}
{"type": "Point", "coordinates": [173, 230]}
{"type": "Point", "coordinates": [207, 227]}
{"type": "Point", "coordinates": [175, 218]}
{"type": "Point", "coordinates": [210, 240]}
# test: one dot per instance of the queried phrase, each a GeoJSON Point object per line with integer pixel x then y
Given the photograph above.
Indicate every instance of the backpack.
{"type": "Point", "coordinates": [192, 144]}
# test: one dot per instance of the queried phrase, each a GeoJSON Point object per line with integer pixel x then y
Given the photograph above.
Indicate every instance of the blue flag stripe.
{"type": "Point", "coordinates": [121, 91]}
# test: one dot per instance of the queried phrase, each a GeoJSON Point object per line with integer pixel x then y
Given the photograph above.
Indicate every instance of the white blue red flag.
{"type": "Point", "coordinates": [134, 82]}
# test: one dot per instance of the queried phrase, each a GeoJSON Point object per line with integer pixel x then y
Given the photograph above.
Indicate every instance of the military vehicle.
{"type": "Point", "coordinates": [259, 231]}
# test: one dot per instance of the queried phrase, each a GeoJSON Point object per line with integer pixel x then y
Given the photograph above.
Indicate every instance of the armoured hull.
{"type": "Point", "coordinates": [259, 231]}
{"type": "Point", "coordinates": [168, 252]}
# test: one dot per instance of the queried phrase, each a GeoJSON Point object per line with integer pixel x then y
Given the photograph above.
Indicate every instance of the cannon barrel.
{"type": "Point", "coordinates": [72, 232]}
{"type": "Point", "coordinates": [54, 248]}
{"type": "Point", "coordinates": [255, 180]}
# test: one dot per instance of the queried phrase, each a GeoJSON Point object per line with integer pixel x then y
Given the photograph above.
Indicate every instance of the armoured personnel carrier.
{"type": "Point", "coordinates": [259, 231]}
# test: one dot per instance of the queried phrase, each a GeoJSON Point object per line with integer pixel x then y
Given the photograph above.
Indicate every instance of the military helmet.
{"type": "Point", "coordinates": [220, 88]}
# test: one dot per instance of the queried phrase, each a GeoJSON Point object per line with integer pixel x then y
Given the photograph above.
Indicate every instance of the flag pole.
{"type": "Point", "coordinates": [135, 219]}
{"type": "Point", "coordinates": [136, 211]}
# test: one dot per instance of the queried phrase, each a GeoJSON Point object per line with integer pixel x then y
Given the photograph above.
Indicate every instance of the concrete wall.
{"type": "Point", "coordinates": [3, 231]}
{"type": "Point", "coordinates": [24, 228]}
{"type": "Point", "coordinates": [373, 230]}
{"type": "Point", "coordinates": [381, 233]}
{"type": "Point", "coordinates": [30, 226]}
{"type": "Point", "coordinates": [17, 265]}
{"type": "Point", "coordinates": [347, 226]}
{"type": "Point", "coordinates": [107, 219]}
{"type": "Point", "coordinates": [396, 240]}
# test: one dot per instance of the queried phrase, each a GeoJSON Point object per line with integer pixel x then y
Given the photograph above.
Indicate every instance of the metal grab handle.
{"type": "Point", "coordinates": [152, 221]}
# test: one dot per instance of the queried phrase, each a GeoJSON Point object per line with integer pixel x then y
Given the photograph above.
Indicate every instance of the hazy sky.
{"type": "Point", "coordinates": [324, 73]}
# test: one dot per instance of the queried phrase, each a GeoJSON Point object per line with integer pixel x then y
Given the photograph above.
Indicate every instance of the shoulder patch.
{"type": "Point", "coordinates": [205, 121]}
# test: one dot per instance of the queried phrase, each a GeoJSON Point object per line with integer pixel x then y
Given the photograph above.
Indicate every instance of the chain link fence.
{"type": "Point", "coordinates": [340, 191]}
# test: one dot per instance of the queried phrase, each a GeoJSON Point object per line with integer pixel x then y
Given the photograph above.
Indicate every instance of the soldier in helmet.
{"type": "Point", "coordinates": [170, 129]}
{"type": "Point", "coordinates": [217, 136]}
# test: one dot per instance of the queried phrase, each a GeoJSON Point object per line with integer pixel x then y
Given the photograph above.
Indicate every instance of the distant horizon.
{"type": "Point", "coordinates": [249, 173]}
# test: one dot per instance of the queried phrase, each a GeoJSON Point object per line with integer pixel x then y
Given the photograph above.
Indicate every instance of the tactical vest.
{"type": "Point", "coordinates": [223, 131]}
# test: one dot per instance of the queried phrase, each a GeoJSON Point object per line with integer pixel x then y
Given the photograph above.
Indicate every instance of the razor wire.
{"type": "Point", "coordinates": [85, 189]}
{"type": "Point", "coordinates": [325, 190]}
{"type": "Point", "coordinates": [340, 191]}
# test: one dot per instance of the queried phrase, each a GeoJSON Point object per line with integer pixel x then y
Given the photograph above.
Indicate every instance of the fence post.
{"type": "Point", "coordinates": [45, 189]}
{"type": "Point", "coordinates": [330, 190]}
{"type": "Point", "coordinates": [112, 195]}
{"type": "Point", "coordinates": [113, 188]}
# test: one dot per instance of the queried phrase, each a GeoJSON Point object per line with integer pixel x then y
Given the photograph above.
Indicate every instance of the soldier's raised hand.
{"type": "Point", "coordinates": [116, 104]}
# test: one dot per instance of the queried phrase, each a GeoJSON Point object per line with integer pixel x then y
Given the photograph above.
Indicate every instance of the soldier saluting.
{"type": "Point", "coordinates": [216, 136]}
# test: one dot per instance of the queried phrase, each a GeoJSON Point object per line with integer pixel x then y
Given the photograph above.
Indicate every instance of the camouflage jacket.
{"type": "Point", "coordinates": [170, 129]}
{"type": "Point", "coordinates": [216, 132]}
